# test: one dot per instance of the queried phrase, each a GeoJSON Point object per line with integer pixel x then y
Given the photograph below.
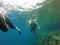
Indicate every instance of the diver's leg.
{"type": "Point", "coordinates": [18, 30]}
{"type": "Point", "coordinates": [3, 28]}
{"type": "Point", "coordinates": [3, 25]}
{"type": "Point", "coordinates": [31, 29]}
{"type": "Point", "coordinates": [9, 23]}
{"type": "Point", "coordinates": [34, 31]}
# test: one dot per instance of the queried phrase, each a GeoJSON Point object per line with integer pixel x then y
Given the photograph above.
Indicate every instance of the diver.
{"type": "Point", "coordinates": [6, 23]}
{"type": "Point", "coordinates": [33, 24]}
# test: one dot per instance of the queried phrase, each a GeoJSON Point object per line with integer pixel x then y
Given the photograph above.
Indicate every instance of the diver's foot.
{"type": "Point", "coordinates": [19, 32]}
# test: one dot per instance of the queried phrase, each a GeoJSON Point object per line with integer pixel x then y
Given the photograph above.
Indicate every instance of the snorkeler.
{"type": "Point", "coordinates": [33, 25]}
{"type": "Point", "coordinates": [6, 23]}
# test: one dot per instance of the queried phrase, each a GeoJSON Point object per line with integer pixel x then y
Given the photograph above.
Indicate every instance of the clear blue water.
{"type": "Point", "coordinates": [48, 19]}
{"type": "Point", "coordinates": [12, 37]}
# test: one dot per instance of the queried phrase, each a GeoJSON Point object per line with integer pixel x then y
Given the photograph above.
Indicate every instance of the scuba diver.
{"type": "Point", "coordinates": [6, 23]}
{"type": "Point", "coordinates": [33, 24]}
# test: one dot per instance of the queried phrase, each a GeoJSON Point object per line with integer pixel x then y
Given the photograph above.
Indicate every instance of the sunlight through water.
{"type": "Point", "coordinates": [24, 5]}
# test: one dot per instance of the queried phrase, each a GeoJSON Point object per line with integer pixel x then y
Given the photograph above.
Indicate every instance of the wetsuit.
{"type": "Point", "coordinates": [33, 27]}
{"type": "Point", "coordinates": [3, 26]}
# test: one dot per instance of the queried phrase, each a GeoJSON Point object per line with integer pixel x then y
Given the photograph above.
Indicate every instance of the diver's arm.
{"type": "Point", "coordinates": [38, 26]}
{"type": "Point", "coordinates": [29, 22]}
{"type": "Point", "coordinates": [27, 25]}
